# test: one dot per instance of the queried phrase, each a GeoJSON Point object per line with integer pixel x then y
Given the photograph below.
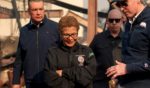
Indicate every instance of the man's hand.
{"type": "Point", "coordinates": [116, 70]}
{"type": "Point", "coordinates": [16, 86]}
{"type": "Point", "coordinates": [59, 72]}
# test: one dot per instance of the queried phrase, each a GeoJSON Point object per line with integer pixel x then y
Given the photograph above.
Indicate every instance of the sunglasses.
{"type": "Point", "coordinates": [122, 3]}
{"type": "Point", "coordinates": [111, 20]}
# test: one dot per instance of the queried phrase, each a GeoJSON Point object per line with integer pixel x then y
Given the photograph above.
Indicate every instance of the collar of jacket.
{"type": "Point", "coordinates": [143, 16]}
{"type": "Point", "coordinates": [110, 36]}
{"type": "Point", "coordinates": [32, 25]}
{"type": "Point", "coordinates": [70, 49]}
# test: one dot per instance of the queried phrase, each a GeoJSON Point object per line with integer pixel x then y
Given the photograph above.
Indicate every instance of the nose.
{"type": "Point", "coordinates": [38, 11]}
{"type": "Point", "coordinates": [70, 37]}
{"type": "Point", "coordinates": [114, 22]}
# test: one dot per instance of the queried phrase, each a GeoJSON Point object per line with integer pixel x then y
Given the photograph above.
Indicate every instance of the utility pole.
{"type": "Point", "coordinates": [15, 11]}
{"type": "Point", "coordinates": [92, 20]}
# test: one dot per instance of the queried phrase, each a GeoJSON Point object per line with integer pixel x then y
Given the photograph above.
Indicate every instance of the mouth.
{"type": "Point", "coordinates": [38, 17]}
{"type": "Point", "coordinates": [69, 42]}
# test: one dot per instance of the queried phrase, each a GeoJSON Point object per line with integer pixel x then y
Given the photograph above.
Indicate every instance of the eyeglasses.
{"type": "Point", "coordinates": [111, 20]}
{"type": "Point", "coordinates": [122, 3]}
{"type": "Point", "coordinates": [73, 35]}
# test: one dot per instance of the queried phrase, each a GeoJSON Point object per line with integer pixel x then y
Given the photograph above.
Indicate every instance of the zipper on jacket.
{"type": "Point", "coordinates": [70, 58]}
{"type": "Point", "coordinates": [37, 46]}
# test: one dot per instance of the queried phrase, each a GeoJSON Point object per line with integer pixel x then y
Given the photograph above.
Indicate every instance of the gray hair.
{"type": "Point", "coordinates": [144, 2]}
{"type": "Point", "coordinates": [34, 1]}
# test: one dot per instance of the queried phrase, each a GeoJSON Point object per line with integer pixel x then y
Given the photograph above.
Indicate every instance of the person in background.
{"type": "Point", "coordinates": [35, 39]}
{"type": "Point", "coordinates": [134, 69]}
{"type": "Point", "coordinates": [106, 47]}
{"type": "Point", "coordinates": [71, 65]}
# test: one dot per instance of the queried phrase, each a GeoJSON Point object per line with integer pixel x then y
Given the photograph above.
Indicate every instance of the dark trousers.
{"type": "Point", "coordinates": [35, 85]}
{"type": "Point", "coordinates": [100, 84]}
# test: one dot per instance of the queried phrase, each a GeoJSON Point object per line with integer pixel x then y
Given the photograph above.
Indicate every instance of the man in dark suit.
{"type": "Point", "coordinates": [134, 70]}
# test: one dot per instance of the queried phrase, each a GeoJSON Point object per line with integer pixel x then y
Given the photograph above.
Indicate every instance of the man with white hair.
{"type": "Point", "coordinates": [134, 70]}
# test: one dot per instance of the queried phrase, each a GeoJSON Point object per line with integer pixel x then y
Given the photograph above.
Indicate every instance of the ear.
{"type": "Point", "coordinates": [28, 10]}
{"type": "Point", "coordinates": [124, 18]}
{"type": "Point", "coordinates": [107, 21]}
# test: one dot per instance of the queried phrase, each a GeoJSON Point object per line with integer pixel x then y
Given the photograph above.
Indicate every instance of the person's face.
{"type": "Point", "coordinates": [69, 36]}
{"type": "Point", "coordinates": [130, 9]}
{"type": "Point", "coordinates": [36, 11]}
{"type": "Point", "coordinates": [114, 21]}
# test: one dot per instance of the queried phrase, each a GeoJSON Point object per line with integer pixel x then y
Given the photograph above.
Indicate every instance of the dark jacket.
{"type": "Point", "coordinates": [103, 46]}
{"type": "Point", "coordinates": [136, 51]}
{"type": "Point", "coordinates": [32, 49]}
{"type": "Point", "coordinates": [78, 65]}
